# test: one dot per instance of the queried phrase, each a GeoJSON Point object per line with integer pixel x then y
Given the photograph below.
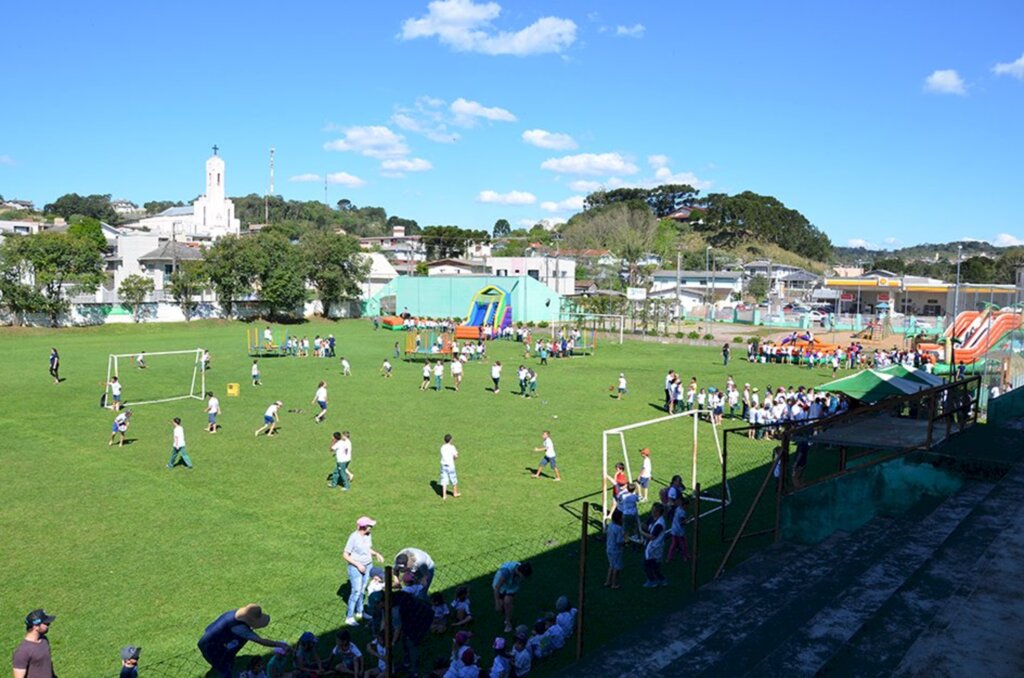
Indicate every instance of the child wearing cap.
{"type": "Point", "coordinates": [502, 665]}
{"type": "Point", "coordinates": [566, 616]}
{"type": "Point", "coordinates": [346, 657]}
{"type": "Point", "coordinates": [130, 661]}
{"type": "Point", "coordinates": [459, 643]}
{"type": "Point", "coordinates": [460, 607]}
{"type": "Point", "coordinates": [522, 659]}
{"type": "Point", "coordinates": [307, 659]}
{"type": "Point", "coordinates": [622, 386]}
{"type": "Point", "coordinates": [554, 636]}
{"type": "Point", "coordinates": [463, 666]}
{"type": "Point", "coordinates": [644, 479]}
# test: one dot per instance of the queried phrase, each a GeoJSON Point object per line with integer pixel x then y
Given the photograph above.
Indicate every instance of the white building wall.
{"type": "Point", "coordinates": [559, 274]}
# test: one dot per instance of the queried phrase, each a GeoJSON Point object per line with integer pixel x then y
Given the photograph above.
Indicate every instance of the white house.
{"type": "Point", "coordinates": [457, 267]}
{"type": "Point", "coordinates": [558, 273]}
{"type": "Point", "coordinates": [696, 286]}
{"type": "Point", "coordinates": [397, 247]}
{"type": "Point", "coordinates": [210, 217]}
{"type": "Point", "coordinates": [381, 273]}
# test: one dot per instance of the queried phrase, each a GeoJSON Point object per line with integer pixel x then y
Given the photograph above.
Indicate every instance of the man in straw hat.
{"type": "Point", "coordinates": [228, 634]}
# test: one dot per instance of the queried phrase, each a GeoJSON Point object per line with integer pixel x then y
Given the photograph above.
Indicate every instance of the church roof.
{"type": "Point", "coordinates": [170, 250]}
{"type": "Point", "coordinates": [177, 211]}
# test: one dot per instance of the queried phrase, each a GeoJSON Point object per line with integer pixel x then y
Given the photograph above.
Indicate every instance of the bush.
{"type": "Point", "coordinates": [693, 335]}
{"type": "Point", "coordinates": [543, 323]}
{"type": "Point", "coordinates": [679, 335]}
{"type": "Point", "coordinates": [709, 337]}
{"type": "Point", "coordinates": [529, 324]}
{"type": "Point", "coordinates": [737, 340]}
{"type": "Point", "coordinates": [752, 340]}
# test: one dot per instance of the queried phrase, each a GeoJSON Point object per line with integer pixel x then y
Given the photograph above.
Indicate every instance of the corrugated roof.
{"type": "Point", "coordinates": [177, 211]}
{"type": "Point", "coordinates": [169, 251]}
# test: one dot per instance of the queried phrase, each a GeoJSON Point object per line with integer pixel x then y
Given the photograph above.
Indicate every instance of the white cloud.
{"type": "Point", "coordinates": [891, 241]}
{"type": "Point", "coordinates": [664, 175]}
{"type": "Point", "coordinates": [945, 82]}
{"type": "Point", "coordinates": [6, 160]}
{"type": "Point", "coordinates": [466, 26]}
{"type": "Point", "coordinates": [374, 141]}
{"type": "Point", "coordinates": [510, 198]}
{"type": "Point", "coordinates": [554, 141]}
{"type": "Point", "coordinates": [305, 178]}
{"type": "Point", "coordinates": [467, 113]}
{"type": "Point", "coordinates": [345, 179]}
{"type": "Point", "coordinates": [547, 222]}
{"type": "Point", "coordinates": [1007, 240]}
{"type": "Point", "coordinates": [406, 165]}
{"type": "Point", "coordinates": [574, 203]}
{"type": "Point", "coordinates": [657, 161]}
{"type": "Point", "coordinates": [1013, 68]}
{"type": "Point", "coordinates": [590, 163]}
{"type": "Point", "coordinates": [584, 185]}
{"type": "Point", "coordinates": [634, 31]}
{"type": "Point", "coordinates": [860, 242]}
{"type": "Point", "coordinates": [427, 117]}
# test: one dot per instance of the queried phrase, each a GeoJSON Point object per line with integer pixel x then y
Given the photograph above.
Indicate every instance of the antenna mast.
{"type": "Point", "coordinates": [266, 198]}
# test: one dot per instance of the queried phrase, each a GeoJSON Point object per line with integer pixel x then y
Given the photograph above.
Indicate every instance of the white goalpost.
{"type": "Point", "coordinates": [591, 321]}
{"type": "Point", "coordinates": [177, 386]}
{"type": "Point", "coordinates": [613, 441]}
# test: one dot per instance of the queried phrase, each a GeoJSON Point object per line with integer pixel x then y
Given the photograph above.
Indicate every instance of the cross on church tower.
{"type": "Point", "coordinates": [215, 149]}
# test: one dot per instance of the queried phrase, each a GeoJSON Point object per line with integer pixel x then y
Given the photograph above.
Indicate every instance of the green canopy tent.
{"type": "Point", "coordinates": [871, 386]}
{"type": "Point", "coordinates": [913, 374]}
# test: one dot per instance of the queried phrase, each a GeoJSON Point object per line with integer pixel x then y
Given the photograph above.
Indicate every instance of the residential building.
{"type": "Point", "coordinates": [457, 267]}
{"type": "Point", "coordinates": [23, 205]}
{"type": "Point", "coordinates": [398, 247]}
{"type": "Point", "coordinates": [558, 273]}
{"type": "Point", "coordinates": [695, 287]}
{"type": "Point", "coordinates": [126, 208]}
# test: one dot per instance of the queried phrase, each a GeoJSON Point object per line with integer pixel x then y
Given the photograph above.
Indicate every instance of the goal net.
{"type": "Point", "coordinates": [677, 448]}
{"type": "Point", "coordinates": [158, 377]}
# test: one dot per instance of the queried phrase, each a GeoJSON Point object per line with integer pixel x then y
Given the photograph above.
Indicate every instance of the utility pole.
{"type": "Point", "coordinates": [679, 281]}
{"type": "Point", "coordinates": [270, 192]}
{"type": "Point", "coordinates": [707, 267]}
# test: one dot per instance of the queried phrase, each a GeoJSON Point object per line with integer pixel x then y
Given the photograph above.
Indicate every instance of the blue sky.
{"type": "Point", "coordinates": [884, 123]}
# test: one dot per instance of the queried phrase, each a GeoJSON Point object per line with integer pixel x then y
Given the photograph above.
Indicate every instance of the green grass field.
{"type": "Point", "coordinates": [125, 551]}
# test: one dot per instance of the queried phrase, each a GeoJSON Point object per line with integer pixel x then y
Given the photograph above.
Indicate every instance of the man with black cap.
{"type": "Point", "coordinates": [225, 637]}
{"type": "Point", "coordinates": [32, 658]}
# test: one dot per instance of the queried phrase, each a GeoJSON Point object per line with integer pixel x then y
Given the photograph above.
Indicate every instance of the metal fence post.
{"type": "Point", "coordinates": [580, 605]}
{"type": "Point", "coordinates": [389, 634]}
{"type": "Point", "coordinates": [696, 539]}
{"type": "Point", "coordinates": [725, 481]}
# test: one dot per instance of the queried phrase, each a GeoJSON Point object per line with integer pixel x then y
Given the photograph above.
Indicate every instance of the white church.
{"type": "Point", "coordinates": [210, 217]}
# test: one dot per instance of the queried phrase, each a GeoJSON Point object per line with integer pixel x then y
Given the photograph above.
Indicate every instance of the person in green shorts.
{"type": "Point", "coordinates": [341, 448]}
{"type": "Point", "coordinates": [507, 581]}
{"type": "Point", "coordinates": [178, 446]}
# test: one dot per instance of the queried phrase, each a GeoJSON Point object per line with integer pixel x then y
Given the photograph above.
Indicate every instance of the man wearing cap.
{"type": "Point", "coordinates": [417, 562]}
{"type": "Point", "coordinates": [130, 661]}
{"type": "Point", "coordinates": [228, 634]}
{"type": "Point", "coordinates": [359, 555]}
{"type": "Point", "coordinates": [32, 658]}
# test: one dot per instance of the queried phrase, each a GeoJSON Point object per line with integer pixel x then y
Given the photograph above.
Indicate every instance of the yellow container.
{"type": "Point", "coordinates": [234, 389]}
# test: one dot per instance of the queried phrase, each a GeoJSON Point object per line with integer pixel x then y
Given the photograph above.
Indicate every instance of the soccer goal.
{"type": "Point", "coordinates": [675, 440]}
{"type": "Point", "coordinates": [158, 377]}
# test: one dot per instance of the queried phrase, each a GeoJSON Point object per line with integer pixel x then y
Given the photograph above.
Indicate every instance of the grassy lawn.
{"type": "Point", "coordinates": [125, 551]}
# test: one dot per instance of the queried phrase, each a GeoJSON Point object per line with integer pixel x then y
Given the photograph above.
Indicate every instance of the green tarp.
{"type": "Point", "coordinates": [912, 374]}
{"type": "Point", "coordinates": [871, 386]}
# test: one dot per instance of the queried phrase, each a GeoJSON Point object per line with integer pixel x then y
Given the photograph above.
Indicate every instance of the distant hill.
{"type": "Point", "coordinates": [925, 252]}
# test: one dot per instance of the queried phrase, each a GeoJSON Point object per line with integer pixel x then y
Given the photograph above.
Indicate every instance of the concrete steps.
{"type": "Point", "coordinates": [889, 598]}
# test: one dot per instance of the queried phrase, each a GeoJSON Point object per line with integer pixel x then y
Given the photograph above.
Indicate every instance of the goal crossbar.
{"type": "Point", "coordinates": [620, 431]}
{"type": "Point", "coordinates": [198, 374]}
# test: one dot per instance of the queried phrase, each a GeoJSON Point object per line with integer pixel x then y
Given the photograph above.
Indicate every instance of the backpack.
{"type": "Point", "coordinates": [103, 399]}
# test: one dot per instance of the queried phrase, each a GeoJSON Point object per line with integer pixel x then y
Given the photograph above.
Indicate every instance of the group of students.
{"type": "Point", "coordinates": [782, 406]}
{"type": "Point", "coordinates": [664, 525]}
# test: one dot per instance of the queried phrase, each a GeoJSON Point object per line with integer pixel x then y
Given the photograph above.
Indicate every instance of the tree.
{"type": "Point", "coordinates": [55, 265]}
{"type": "Point", "coordinates": [730, 220]}
{"type": "Point", "coordinates": [133, 291]}
{"type": "Point", "coordinates": [16, 295]}
{"type": "Point", "coordinates": [758, 287]}
{"type": "Point", "coordinates": [189, 280]}
{"type": "Point", "coordinates": [410, 225]}
{"type": "Point", "coordinates": [90, 229]}
{"type": "Point", "coordinates": [336, 267]}
{"type": "Point", "coordinates": [231, 265]}
{"type": "Point", "coordinates": [280, 273]}
{"type": "Point", "coordinates": [501, 228]}
{"type": "Point", "coordinates": [444, 242]}
{"type": "Point", "coordinates": [95, 206]}
{"type": "Point", "coordinates": [978, 270]}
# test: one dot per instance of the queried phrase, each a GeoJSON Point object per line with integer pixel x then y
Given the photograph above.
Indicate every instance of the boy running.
{"type": "Point", "coordinates": [212, 410]}
{"type": "Point", "coordinates": [270, 419]}
{"type": "Point", "coordinates": [55, 365]}
{"type": "Point", "coordinates": [120, 427]}
{"type": "Point", "coordinates": [320, 399]}
{"type": "Point", "coordinates": [255, 374]}
{"type": "Point", "coordinates": [457, 372]}
{"type": "Point", "coordinates": [426, 377]}
{"type": "Point", "coordinates": [548, 448]}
